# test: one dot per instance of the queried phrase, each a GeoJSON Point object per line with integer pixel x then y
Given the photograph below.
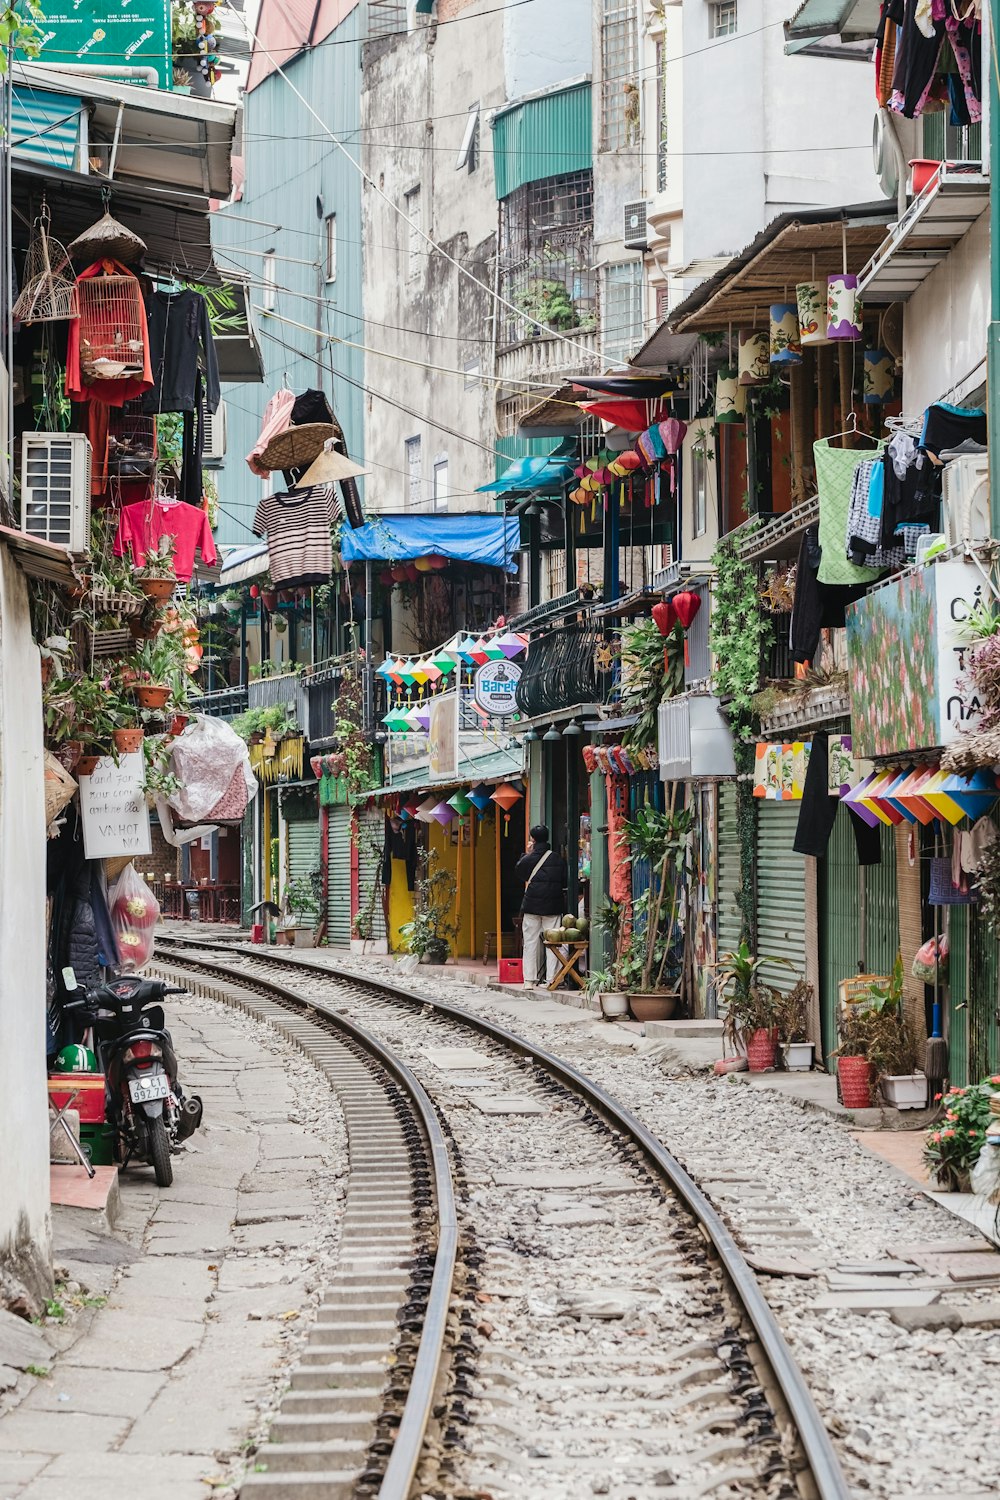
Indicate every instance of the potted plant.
{"type": "Point", "coordinates": [613, 1001]}
{"type": "Point", "coordinates": [798, 1053]}
{"type": "Point", "coordinates": [877, 1050]}
{"type": "Point", "coordinates": [652, 952]}
{"type": "Point", "coordinates": [303, 907]}
{"type": "Point", "coordinates": [754, 1008]}
{"type": "Point", "coordinates": [433, 929]}
{"type": "Point", "coordinates": [156, 666]}
{"type": "Point", "coordinates": [156, 577]}
{"type": "Point", "coordinates": [951, 1148]}
{"type": "Point", "coordinates": [607, 984]}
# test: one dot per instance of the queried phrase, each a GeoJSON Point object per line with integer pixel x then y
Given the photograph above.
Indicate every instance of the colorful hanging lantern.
{"type": "Point", "coordinates": [419, 675]}
{"type": "Point", "coordinates": [810, 302]}
{"type": "Point", "coordinates": [664, 616]}
{"type": "Point", "coordinates": [511, 645]}
{"type": "Point", "coordinates": [686, 604]}
{"type": "Point", "coordinates": [491, 645]}
{"type": "Point", "coordinates": [384, 669]}
{"type": "Point", "coordinates": [466, 649]}
{"type": "Point", "coordinates": [404, 670]}
{"type": "Point", "coordinates": [432, 670]}
{"type": "Point", "coordinates": [754, 357]}
{"type": "Point", "coordinates": [843, 309]}
{"type": "Point", "coordinates": [579, 496]}
{"type": "Point", "coordinates": [879, 377]}
{"type": "Point", "coordinates": [478, 653]}
{"type": "Point", "coordinates": [444, 813]}
{"type": "Point", "coordinates": [425, 812]}
{"type": "Point", "coordinates": [419, 719]}
{"type": "Point", "coordinates": [507, 795]}
{"type": "Point", "coordinates": [451, 648]}
{"type": "Point", "coordinates": [785, 345]}
{"type": "Point", "coordinates": [479, 796]}
{"type": "Point", "coordinates": [630, 460]}
{"type": "Point", "coordinates": [460, 802]}
{"type": "Point", "coordinates": [730, 397]}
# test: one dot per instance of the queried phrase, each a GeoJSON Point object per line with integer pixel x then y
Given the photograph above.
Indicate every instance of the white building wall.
{"type": "Point", "coordinates": [544, 45]}
{"type": "Point", "coordinates": [24, 1131]}
{"type": "Point", "coordinates": [945, 323]}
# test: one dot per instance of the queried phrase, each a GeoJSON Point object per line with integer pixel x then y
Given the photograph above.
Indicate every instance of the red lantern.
{"type": "Point", "coordinates": [686, 605]}
{"type": "Point", "coordinates": [254, 591]}
{"type": "Point", "coordinates": [630, 460]}
{"type": "Point", "coordinates": [664, 616]}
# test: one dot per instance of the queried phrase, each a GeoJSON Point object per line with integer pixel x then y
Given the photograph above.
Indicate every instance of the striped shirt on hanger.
{"type": "Point", "coordinates": [298, 525]}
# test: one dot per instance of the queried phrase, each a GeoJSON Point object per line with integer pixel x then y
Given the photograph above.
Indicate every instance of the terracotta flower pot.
{"type": "Point", "coordinates": [87, 765]}
{"type": "Point", "coordinates": [127, 740]}
{"type": "Point", "coordinates": [762, 1048]}
{"type": "Point", "coordinates": [179, 723]}
{"type": "Point", "coordinates": [159, 589]}
{"type": "Point", "coordinates": [140, 630]}
{"type": "Point", "coordinates": [856, 1076]}
{"type": "Point", "coordinates": [269, 599]}
{"type": "Point", "coordinates": [152, 696]}
{"type": "Point", "coordinates": [68, 754]}
{"type": "Point", "coordinates": [651, 1005]}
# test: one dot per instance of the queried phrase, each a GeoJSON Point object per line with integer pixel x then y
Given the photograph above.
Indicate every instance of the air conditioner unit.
{"type": "Point", "coordinates": [55, 488]}
{"type": "Point", "coordinates": [694, 739]}
{"type": "Point", "coordinates": [214, 450]}
{"type": "Point", "coordinates": [965, 494]}
{"type": "Point", "coordinates": [635, 232]}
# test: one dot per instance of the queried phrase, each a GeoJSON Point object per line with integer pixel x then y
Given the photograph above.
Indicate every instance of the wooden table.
{"type": "Point", "coordinates": [569, 961]}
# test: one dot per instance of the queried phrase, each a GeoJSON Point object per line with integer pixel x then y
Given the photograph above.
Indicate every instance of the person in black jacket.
{"type": "Point", "coordinates": [544, 875]}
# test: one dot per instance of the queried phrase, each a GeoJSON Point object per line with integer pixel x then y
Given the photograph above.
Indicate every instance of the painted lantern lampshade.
{"type": "Point", "coordinates": [811, 302]}
{"type": "Point", "coordinates": [507, 796]}
{"type": "Point", "coordinates": [785, 346]}
{"type": "Point", "coordinates": [879, 376]}
{"type": "Point", "coordinates": [843, 307]}
{"type": "Point", "coordinates": [754, 360]}
{"type": "Point", "coordinates": [443, 812]}
{"type": "Point", "coordinates": [730, 397]}
{"type": "Point", "coordinates": [480, 798]}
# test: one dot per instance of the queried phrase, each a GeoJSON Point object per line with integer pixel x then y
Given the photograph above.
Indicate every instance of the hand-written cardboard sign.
{"type": "Point", "coordinates": [113, 808]}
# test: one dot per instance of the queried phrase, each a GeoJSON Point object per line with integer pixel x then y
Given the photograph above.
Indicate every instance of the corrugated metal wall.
{"type": "Point", "coordinates": [372, 828]}
{"type": "Point", "coordinates": [844, 948]}
{"type": "Point", "coordinates": [339, 860]}
{"type": "Point", "coordinates": [781, 892]}
{"type": "Point", "coordinates": [294, 178]}
{"type": "Point", "coordinates": [303, 848]}
{"type": "Point", "coordinates": [729, 919]}
{"type": "Point", "coordinates": [46, 127]}
{"type": "Point", "coordinates": [542, 138]}
{"type": "Point", "coordinates": [984, 1033]}
{"type": "Point", "coordinates": [957, 1030]}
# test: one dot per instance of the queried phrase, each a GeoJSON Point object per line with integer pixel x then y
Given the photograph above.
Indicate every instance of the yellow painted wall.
{"type": "Point", "coordinates": [477, 887]}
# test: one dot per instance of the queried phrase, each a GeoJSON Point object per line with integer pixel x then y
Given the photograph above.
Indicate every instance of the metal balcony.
{"type": "Point", "coordinates": [226, 703]}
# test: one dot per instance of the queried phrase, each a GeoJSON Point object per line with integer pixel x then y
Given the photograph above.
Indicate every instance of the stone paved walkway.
{"type": "Point", "coordinates": [209, 1284]}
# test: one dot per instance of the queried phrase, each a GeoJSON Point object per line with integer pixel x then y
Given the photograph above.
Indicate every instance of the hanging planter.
{"type": "Point", "coordinates": [810, 302]}
{"type": "Point", "coordinates": [158, 589]}
{"type": "Point", "coordinates": [152, 695]}
{"type": "Point", "coordinates": [754, 357]}
{"type": "Point", "coordinates": [785, 346]}
{"type": "Point", "coordinates": [127, 741]}
{"type": "Point", "coordinates": [843, 309]}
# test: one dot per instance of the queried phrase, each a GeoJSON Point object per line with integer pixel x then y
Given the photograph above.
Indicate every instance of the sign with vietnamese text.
{"type": "Point", "coordinates": [495, 688]}
{"type": "Point", "coordinates": [113, 808]}
{"type": "Point", "coordinates": [132, 33]}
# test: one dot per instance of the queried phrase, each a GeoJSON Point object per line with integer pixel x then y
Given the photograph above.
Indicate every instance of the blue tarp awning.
{"type": "Point", "coordinates": [492, 540]}
{"type": "Point", "coordinates": [530, 474]}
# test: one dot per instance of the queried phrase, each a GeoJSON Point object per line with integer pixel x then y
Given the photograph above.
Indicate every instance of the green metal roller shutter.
{"type": "Point", "coordinates": [339, 861]}
{"type": "Point", "coordinates": [781, 893]}
{"type": "Point", "coordinates": [728, 917]}
{"type": "Point", "coordinates": [303, 849]}
{"type": "Point", "coordinates": [372, 827]}
{"type": "Point", "coordinates": [958, 1027]}
{"type": "Point", "coordinates": [984, 1035]}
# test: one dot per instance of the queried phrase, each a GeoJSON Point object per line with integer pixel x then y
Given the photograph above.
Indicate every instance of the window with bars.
{"type": "Point", "coordinates": [414, 485]}
{"type": "Point", "coordinates": [662, 303]}
{"type": "Point", "coordinates": [619, 83]}
{"type": "Point", "coordinates": [546, 256]}
{"type": "Point", "coordinates": [661, 116]}
{"type": "Point", "coordinates": [621, 315]}
{"type": "Point", "coordinates": [723, 18]}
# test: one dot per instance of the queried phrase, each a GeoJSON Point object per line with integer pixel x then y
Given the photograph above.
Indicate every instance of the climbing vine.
{"type": "Point", "coordinates": [739, 634]}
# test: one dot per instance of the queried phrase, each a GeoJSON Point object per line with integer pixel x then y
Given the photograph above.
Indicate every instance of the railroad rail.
{"type": "Point", "coordinates": [814, 1470]}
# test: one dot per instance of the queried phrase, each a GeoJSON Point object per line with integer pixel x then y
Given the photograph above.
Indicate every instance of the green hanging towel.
{"type": "Point", "coordinates": [834, 478]}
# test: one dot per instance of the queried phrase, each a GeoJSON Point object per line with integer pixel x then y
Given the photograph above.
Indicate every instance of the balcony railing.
{"type": "Point", "coordinates": [226, 703]}
{"type": "Point", "coordinates": [576, 602]}
{"type": "Point", "coordinates": [547, 359]}
{"type": "Point", "coordinates": [560, 671]}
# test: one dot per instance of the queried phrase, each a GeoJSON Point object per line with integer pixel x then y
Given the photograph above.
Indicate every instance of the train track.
{"type": "Point", "coordinates": [723, 1408]}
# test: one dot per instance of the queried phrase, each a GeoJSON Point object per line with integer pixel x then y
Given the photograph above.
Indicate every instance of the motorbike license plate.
{"type": "Point", "coordinates": [145, 1089]}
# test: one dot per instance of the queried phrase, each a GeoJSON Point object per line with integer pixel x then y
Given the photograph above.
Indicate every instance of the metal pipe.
{"type": "Point", "coordinates": [98, 70]}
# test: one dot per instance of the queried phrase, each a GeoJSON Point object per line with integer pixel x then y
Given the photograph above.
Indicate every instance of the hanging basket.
{"type": "Point", "coordinates": [125, 606]}
{"type": "Point", "coordinates": [296, 446]}
{"type": "Point", "coordinates": [107, 239]}
{"type": "Point", "coordinates": [48, 294]}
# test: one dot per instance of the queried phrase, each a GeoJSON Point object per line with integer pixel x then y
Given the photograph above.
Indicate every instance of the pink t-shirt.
{"type": "Point", "coordinates": [142, 525]}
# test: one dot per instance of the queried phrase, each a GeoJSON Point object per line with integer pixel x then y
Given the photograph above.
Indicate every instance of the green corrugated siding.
{"type": "Point", "coordinates": [781, 893]}
{"type": "Point", "coordinates": [303, 849]}
{"type": "Point", "coordinates": [542, 138]}
{"type": "Point", "coordinates": [957, 1027]}
{"type": "Point", "coordinates": [40, 127]}
{"type": "Point", "coordinates": [339, 860]}
{"type": "Point", "coordinates": [728, 916]}
{"type": "Point", "coordinates": [984, 1033]}
{"type": "Point", "coordinates": [842, 948]}
{"type": "Point", "coordinates": [372, 825]}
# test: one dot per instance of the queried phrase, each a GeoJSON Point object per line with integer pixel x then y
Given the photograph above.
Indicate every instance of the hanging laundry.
{"type": "Point", "coordinates": [864, 522]}
{"type": "Point", "coordinates": [936, 62]}
{"type": "Point", "coordinates": [816, 606]}
{"type": "Point", "coordinates": [298, 526]}
{"type": "Point", "coordinates": [277, 417]}
{"type": "Point", "coordinates": [835, 481]}
{"type": "Point", "coordinates": [181, 346]}
{"type": "Point", "coordinates": [946, 426]}
{"type": "Point", "coordinates": [141, 527]}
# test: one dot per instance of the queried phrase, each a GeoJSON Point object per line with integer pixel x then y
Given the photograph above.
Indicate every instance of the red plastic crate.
{"type": "Point", "coordinates": [89, 1089]}
{"type": "Point", "coordinates": [511, 971]}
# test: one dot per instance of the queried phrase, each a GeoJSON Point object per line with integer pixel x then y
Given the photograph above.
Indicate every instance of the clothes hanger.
{"type": "Point", "coordinates": [852, 430]}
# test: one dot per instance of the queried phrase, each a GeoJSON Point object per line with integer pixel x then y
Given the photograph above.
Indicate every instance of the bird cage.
{"type": "Point", "coordinates": [131, 451]}
{"type": "Point", "coordinates": [112, 326]}
{"type": "Point", "coordinates": [48, 294]}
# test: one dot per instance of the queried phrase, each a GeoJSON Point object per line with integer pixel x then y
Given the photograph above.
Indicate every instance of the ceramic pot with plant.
{"type": "Point", "coordinates": [876, 1048]}
{"type": "Point", "coordinates": [156, 577]}
{"type": "Point", "coordinates": [753, 1007]}
{"type": "Point", "coordinates": [433, 929]}
{"type": "Point", "coordinates": [303, 906]}
{"type": "Point", "coordinates": [127, 741]}
{"type": "Point", "coordinates": [953, 1145]}
{"type": "Point", "coordinates": [798, 1052]}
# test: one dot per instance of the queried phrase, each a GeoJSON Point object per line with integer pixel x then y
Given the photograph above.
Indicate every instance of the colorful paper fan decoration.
{"type": "Point", "coordinates": [425, 811]}
{"type": "Point", "coordinates": [384, 669]}
{"type": "Point", "coordinates": [444, 813]}
{"type": "Point", "coordinates": [417, 669]}
{"type": "Point", "coordinates": [396, 721]}
{"type": "Point", "coordinates": [404, 671]}
{"type": "Point", "coordinates": [461, 803]}
{"type": "Point", "coordinates": [480, 798]}
{"type": "Point", "coordinates": [432, 670]}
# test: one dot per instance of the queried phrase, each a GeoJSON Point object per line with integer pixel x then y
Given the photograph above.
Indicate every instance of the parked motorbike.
{"type": "Point", "coordinates": [146, 1108]}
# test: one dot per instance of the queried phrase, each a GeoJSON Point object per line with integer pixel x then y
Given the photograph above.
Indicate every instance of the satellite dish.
{"type": "Point", "coordinates": [892, 329]}
{"type": "Point", "coordinates": [884, 157]}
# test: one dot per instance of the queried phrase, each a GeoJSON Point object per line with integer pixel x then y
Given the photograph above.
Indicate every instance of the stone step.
{"type": "Point", "coordinates": [336, 1353]}
{"type": "Point", "coordinates": [297, 1458]}
{"type": "Point", "coordinates": [678, 1030]}
{"type": "Point", "coordinates": [365, 1399]}
{"type": "Point", "coordinates": [338, 1375]}
{"type": "Point", "coordinates": [321, 1427]}
{"type": "Point", "coordinates": [349, 1329]}
{"type": "Point", "coordinates": [330, 1484]}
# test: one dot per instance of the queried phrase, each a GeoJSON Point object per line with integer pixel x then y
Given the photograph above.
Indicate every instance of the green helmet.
{"type": "Point", "coordinates": [76, 1059]}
